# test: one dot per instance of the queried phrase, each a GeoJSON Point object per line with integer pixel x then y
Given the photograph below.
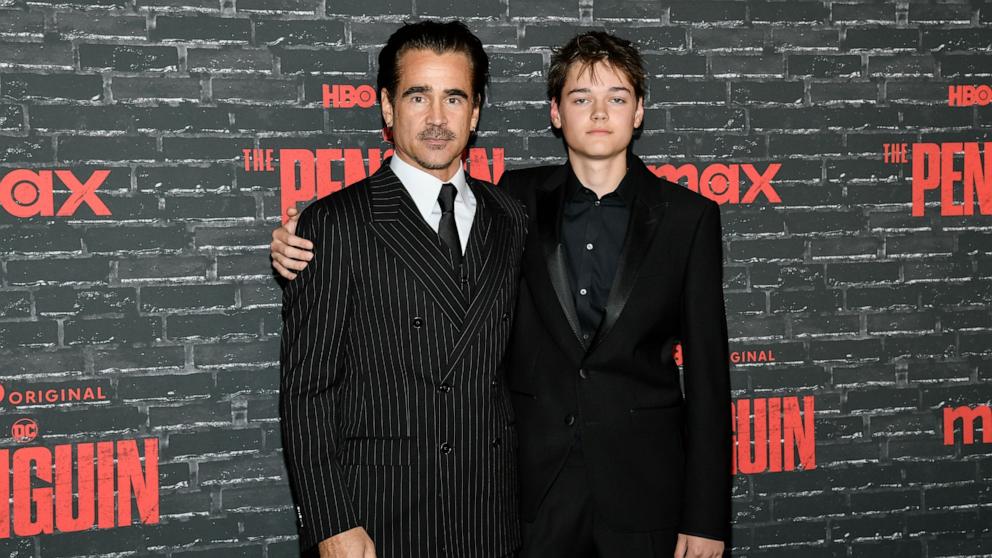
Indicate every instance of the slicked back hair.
{"type": "Point", "coordinates": [441, 38]}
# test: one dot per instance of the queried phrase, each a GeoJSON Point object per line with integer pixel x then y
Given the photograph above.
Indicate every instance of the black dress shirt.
{"type": "Point", "coordinates": [593, 230]}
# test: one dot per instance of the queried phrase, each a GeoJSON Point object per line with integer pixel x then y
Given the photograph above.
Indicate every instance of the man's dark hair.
{"type": "Point", "coordinates": [589, 48]}
{"type": "Point", "coordinates": [440, 37]}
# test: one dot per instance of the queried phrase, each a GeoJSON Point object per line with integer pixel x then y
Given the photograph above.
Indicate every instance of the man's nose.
{"type": "Point", "coordinates": [599, 111]}
{"type": "Point", "coordinates": [436, 115]}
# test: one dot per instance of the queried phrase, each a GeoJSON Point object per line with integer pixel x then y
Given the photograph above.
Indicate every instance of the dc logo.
{"type": "Point", "coordinates": [24, 430]}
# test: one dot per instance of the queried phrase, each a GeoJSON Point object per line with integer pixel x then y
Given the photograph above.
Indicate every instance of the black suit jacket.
{"type": "Point", "coordinates": [656, 459]}
{"type": "Point", "coordinates": [393, 413]}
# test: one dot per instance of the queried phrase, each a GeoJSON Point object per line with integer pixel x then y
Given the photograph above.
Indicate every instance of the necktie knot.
{"type": "Point", "coordinates": [447, 197]}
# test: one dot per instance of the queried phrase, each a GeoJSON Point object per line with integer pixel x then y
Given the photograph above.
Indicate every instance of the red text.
{"type": "Point", "coordinates": [773, 435]}
{"type": "Point", "coordinates": [91, 484]}
{"type": "Point", "coordinates": [306, 174]}
{"type": "Point", "coordinates": [934, 167]}
{"type": "Point", "coordinates": [28, 193]}
{"type": "Point", "coordinates": [722, 183]}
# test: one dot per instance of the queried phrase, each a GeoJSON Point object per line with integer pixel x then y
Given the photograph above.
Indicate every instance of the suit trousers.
{"type": "Point", "coordinates": [568, 526]}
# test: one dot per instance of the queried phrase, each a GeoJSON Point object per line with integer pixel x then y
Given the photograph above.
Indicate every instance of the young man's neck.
{"type": "Point", "coordinates": [602, 176]}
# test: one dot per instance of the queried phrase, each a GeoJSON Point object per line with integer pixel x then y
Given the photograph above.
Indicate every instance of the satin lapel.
{"type": "Point", "coordinates": [647, 212]}
{"type": "Point", "coordinates": [403, 231]}
{"type": "Point", "coordinates": [549, 226]}
{"type": "Point", "coordinates": [547, 266]}
{"type": "Point", "coordinates": [489, 248]}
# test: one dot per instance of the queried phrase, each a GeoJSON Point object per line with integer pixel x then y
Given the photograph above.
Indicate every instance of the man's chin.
{"type": "Point", "coordinates": [434, 161]}
{"type": "Point", "coordinates": [598, 151]}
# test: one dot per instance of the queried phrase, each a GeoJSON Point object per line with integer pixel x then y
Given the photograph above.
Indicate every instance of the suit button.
{"type": "Point", "coordinates": [464, 280]}
{"type": "Point", "coordinates": [569, 419]}
{"type": "Point", "coordinates": [505, 316]}
{"type": "Point", "coordinates": [418, 322]}
{"type": "Point", "coordinates": [583, 373]}
{"type": "Point", "coordinates": [445, 448]}
{"type": "Point", "coordinates": [495, 383]}
{"type": "Point", "coordinates": [497, 442]}
{"type": "Point", "coordinates": [444, 388]}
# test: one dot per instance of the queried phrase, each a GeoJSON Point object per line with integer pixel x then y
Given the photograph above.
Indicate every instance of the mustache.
{"type": "Point", "coordinates": [436, 133]}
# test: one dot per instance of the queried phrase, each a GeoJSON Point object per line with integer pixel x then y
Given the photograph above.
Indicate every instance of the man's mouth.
{"type": "Point", "coordinates": [436, 143]}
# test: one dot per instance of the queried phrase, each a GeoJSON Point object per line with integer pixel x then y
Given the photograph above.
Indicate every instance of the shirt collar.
{"type": "Point", "coordinates": [422, 186]}
{"type": "Point", "coordinates": [574, 186]}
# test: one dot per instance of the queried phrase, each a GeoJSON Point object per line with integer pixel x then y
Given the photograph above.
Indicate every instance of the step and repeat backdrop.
{"type": "Point", "coordinates": [147, 149]}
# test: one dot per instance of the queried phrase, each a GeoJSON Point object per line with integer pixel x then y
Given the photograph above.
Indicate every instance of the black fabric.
{"type": "Point", "coordinates": [447, 229]}
{"type": "Point", "coordinates": [593, 231]}
{"type": "Point", "coordinates": [657, 457]}
{"type": "Point", "coordinates": [568, 525]}
{"type": "Point", "coordinates": [393, 408]}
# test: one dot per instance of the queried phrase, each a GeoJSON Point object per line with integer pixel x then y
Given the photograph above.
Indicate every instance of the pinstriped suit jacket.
{"type": "Point", "coordinates": [394, 413]}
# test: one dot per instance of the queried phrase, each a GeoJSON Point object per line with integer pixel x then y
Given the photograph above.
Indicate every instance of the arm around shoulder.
{"type": "Point", "coordinates": [315, 318]}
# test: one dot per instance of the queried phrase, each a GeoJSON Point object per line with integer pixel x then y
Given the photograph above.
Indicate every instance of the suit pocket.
{"type": "Point", "coordinates": [377, 451]}
{"type": "Point", "coordinates": [660, 423]}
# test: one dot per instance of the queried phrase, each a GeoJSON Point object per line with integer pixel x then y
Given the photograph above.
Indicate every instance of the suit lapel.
{"type": "Point", "coordinates": [486, 264]}
{"type": "Point", "coordinates": [647, 211]}
{"type": "Point", "coordinates": [546, 268]}
{"type": "Point", "coordinates": [396, 220]}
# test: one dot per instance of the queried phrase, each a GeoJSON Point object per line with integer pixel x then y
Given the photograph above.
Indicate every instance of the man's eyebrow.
{"type": "Point", "coordinates": [587, 90]}
{"type": "Point", "coordinates": [456, 92]}
{"type": "Point", "coordinates": [416, 89]}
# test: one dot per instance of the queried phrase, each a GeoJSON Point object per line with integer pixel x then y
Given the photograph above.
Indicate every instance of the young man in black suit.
{"type": "Point", "coordinates": [614, 461]}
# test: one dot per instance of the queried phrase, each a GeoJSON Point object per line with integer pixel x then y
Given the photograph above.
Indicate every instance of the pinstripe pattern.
{"type": "Point", "coordinates": [387, 360]}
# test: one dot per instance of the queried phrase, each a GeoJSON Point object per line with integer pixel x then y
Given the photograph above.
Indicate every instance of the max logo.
{"type": "Point", "coordinates": [28, 193]}
{"type": "Point", "coordinates": [968, 416]}
{"type": "Point", "coordinates": [934, 168]}
{"type": "Point", "coordinates": [722, 183]}
{"type": "Point", "coordinates": [347, 96]}
{"type": "Point", "coordinates": [968, 95]}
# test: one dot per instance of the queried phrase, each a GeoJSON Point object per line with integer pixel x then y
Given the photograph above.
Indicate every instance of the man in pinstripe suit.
{"type": "Point", "coordinates": [397, 430]}
{"type": "Point", "coordinates": [615, 461]}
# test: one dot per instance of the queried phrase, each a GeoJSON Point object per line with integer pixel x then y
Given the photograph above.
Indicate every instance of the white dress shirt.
{"type": "Point", "coordinates": [425, 188]}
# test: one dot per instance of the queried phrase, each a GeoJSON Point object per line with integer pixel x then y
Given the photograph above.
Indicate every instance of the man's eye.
{"type": "Point", "coordinates": [580, 101]}
{"type": "Point", "coordinates": [417, 98]}
{"type": "Point", "coordinates": [455, 100]}
{"type": "Point", "coordinates": [619, 100]}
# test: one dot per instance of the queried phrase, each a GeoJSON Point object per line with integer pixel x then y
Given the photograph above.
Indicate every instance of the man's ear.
{"type": "Point", "coordinates": [476, 110]}
{"type": "Point", "coordinates": [639, 113]}
{"type": "Point", "coordinates": [555, 114]}
{"type": "Point", "coordinates": [387, 107]}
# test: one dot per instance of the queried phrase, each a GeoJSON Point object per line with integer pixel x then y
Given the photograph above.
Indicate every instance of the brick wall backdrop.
{"type": "Point", "coordinates": [844, 301]}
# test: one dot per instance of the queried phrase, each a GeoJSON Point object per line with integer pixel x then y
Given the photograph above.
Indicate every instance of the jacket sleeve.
{"type": "Point", "coordinates": [706, 498]}
{"type": "Point", "coordinates": [315, 312]}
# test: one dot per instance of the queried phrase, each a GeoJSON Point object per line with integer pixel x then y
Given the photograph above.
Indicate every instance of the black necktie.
{"type": "Point", "coordinates": [447, 229]}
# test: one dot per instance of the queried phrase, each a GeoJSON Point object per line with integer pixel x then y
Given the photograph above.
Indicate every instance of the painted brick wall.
{"type": "Point", "coordinates": [835, 290]}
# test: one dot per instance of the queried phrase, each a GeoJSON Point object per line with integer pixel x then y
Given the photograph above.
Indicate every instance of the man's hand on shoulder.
{"type": "Point", "coordinates": [353, 543]}
{"type": "Point", "coordinates": [689, 546]}
{"type": "Point", "coordinates": [290, 253]}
